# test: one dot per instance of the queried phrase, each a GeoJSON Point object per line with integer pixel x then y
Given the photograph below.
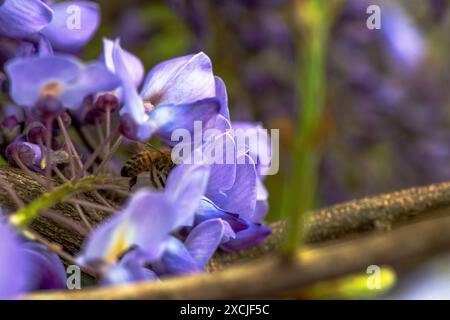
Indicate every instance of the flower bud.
{"type": "Point", "coordinates": [47, 107]}
{"type": "Point", "coordinates": [36, 133]}
{"type": "Point", "coordinates": [29, 154]}
{"type": "Point", "coordinates": [11, 128]}
{"type": "Point", "coordinates": [107, 101]}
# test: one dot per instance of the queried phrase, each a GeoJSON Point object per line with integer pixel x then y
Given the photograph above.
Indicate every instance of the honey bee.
{"type": "Point", "coordinates": [157, 162]}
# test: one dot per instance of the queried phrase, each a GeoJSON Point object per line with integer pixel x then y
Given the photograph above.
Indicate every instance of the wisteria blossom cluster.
{"type": "Point", "coordinates": [64, 122]}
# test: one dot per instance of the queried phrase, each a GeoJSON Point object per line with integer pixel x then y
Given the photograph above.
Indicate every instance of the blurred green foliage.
{"type": "Point", "coordinates": [170, 37]}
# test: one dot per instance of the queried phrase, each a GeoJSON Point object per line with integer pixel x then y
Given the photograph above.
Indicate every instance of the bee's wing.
{"type": "Point", "coordinates": [149, 146]}
{"type": "Point", "coordinates": [133, 147]}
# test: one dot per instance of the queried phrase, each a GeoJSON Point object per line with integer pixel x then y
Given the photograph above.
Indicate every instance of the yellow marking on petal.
{"type": "Point", "coordinates": [52, 88]}
{"type": "Point", "coordinates": [43, 163]}
{"type": "Point", "coordinates": [118, 247]}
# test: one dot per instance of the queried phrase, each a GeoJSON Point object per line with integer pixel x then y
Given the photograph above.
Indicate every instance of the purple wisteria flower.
{"type": "Point", "coordinates": [13, 261]}
{"type": "Point", "coordinates": [148, 219]}
{"type": "Point", "coordinates": [56, 82]}
{"type": "Point", "coordinates": [26, 266]}
{"type": "Point", "coordinates": [405, 42]}
{"type": "Point", "coordinates": [235, 191]}
{"type": "Point", "coordinates": [133, 64]}
{"type": "Point", "coordinates": [46, 270]}
{"type": "Point", "coordinates": [110, 101]}
{"type": "Point", "coordinates": [23, 18]}
{"type": "Point", "coordinates": [246, 198]}
{"type": "Point", "coordinates": [67, 26]}
{"type": "Point", "coordinates": [29, 154]}
{"type": "Point", "coordinates": [74, 23]}
{"type": "Point", "coordinates": [192, 256]}
{"type": "Point", "coordinates": [12, 122]}
{"type": "Point", "coordinates": [175, 93]}
{"type": "Point", "coordinates": [178, 258]}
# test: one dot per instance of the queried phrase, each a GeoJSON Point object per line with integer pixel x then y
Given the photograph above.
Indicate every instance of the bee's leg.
{"type": "Point", "coordinates": [154, 178]}
{"type": "Point", "coordinates": [132, 182]}
{"type": "Point", "coordinates": [162, 178]}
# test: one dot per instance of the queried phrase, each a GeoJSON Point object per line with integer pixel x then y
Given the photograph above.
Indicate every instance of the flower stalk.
{"type": "Point", "coordinates": [311, 18]}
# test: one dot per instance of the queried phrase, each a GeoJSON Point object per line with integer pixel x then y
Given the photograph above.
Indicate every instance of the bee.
{"type": "Point", "coordinates": [157, 162]}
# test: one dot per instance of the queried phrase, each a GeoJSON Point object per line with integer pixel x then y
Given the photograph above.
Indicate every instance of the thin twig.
{"type": "Point", "coordinates": [60, 174]}
{"type": "Point", "coordinates": [109, 155]}
{"type": "Point", "coordinates": [85, 137]}
{"type": "Point", "coordinates": [100, 133]}
{"type": "Point", "coordinates": [57, 216]}
{"type": "Point", "coordinates": [69, 142]}
{"type": "Point", "coordinates": [48, 151]}
{"type": "Point", "coordinates": [8, 188]}
{"type": "Point", "coordinates": [108, 127]}
{"type": "Point", "coordinates": [99, 149]}
{"type": "Point", "coordinates": [92, 205]}
{"type": "Point", "coordinates": [82, 216]}
{"type": "Point", "coordinates": [102, 199]}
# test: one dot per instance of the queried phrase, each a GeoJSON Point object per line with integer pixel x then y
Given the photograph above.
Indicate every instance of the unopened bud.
{"type": "Point", "coordinates": [48, 107]}
{"type": "Point", "coordinates": [107, 101]}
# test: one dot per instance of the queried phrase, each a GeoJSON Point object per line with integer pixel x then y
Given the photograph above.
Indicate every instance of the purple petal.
{"type": "Point", "coordinates": [23, 18]}
{"type": "Point", "coordinates": [205, 238]}
{"type": "Point", "coordinates": [257, 144]}
{"type": "Point", "coordinates": [47, 270]}
{"type": "Point", "coordinates": [241, 198]}
{"type": "Point", "coordinates": [99, 247]}
{"type": "Point", "coordinates": [13, 263]}
{"type": "Point", "coordinates": [146, 222]}
{"type": "Point", "coordinates": [222, 123]}
{"type": "Point", "coordinates": [150, 218]}
{"type": "Point", "coordinates": [129, 269]}
{"type": "Point", "coordinates": [28, 76]}
{"type": "Point", "coordinates": [133, 64]}
{"type": "Point", "coordinates": [186, 185]}
{"type": "Point", "coordinates": [94, 78]}
{"type": "Point", "coordinates": [405, 41]}
{"type": "Point", "coordinates": [221, 94]}
{"type": "Point", "coordinates": [135, 122]}
{"type": "Point", "coordinates": [176, 260]}
{"type": "Point", "coordinates": [208, 210]}
{"type": "Point", "coordinates": [165, 119]}
{"type": "Point", "coordinates": [223, 174]}
{"type": "Point", "coordinates": [45, 47]}
{"type": "Point", "coordinates": [25, 49]}
{"type": "Point", "coordinates": [250, 237]}
{"type": "Point", "coordinates": [181, 80]}
{"type": "Point", "coordinates": [261, 209]}
{"type": "Point", "coordinates": [73, 24]}
{"type": "Point", "coordinates": [262, 205]}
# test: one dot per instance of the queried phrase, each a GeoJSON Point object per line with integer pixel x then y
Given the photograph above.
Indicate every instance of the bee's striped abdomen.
{"type": "Point", "coordinates": [136, 164]}
{"type": "Point", "coordinates": [157, 163]}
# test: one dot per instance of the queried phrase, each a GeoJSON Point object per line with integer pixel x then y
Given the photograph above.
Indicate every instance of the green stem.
{"type": "Point", "coordinates": [301, 188]}
{"type": "Point", "coordinates": [22, 217]}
